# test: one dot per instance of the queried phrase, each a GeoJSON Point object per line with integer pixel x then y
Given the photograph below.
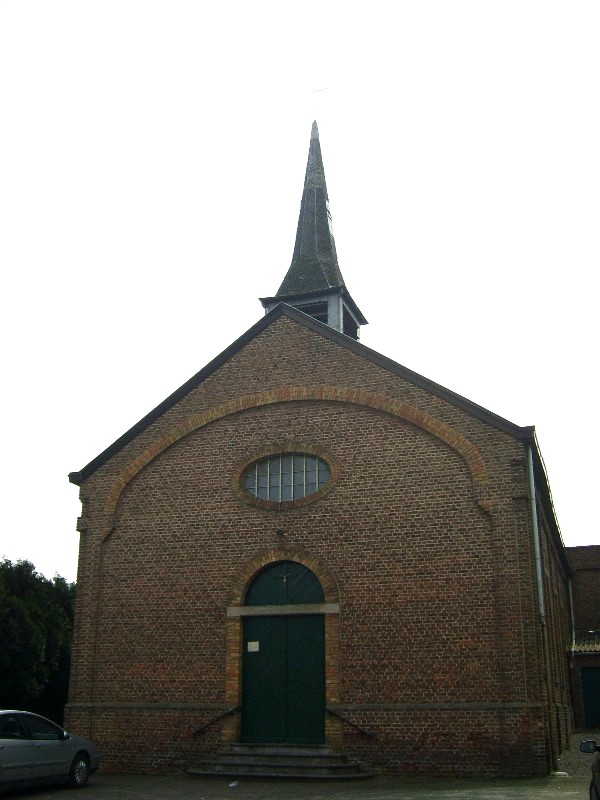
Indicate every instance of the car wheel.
{"type": "Point", "coordinates": [594, 792]}
{"type": "Point", "coordinates": [79, 772]}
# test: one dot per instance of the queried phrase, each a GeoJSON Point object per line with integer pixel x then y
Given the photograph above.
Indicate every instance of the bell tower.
{"type": "Point", "coordinates": [314, 283]}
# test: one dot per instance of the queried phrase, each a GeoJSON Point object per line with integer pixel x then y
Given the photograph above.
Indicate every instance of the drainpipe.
{"type": "Point", "coordinates": [573, 666]}
{"type": "Point", "coordinates": [572, 609]}
{"type": "Point", "coordinates": [539, 579]}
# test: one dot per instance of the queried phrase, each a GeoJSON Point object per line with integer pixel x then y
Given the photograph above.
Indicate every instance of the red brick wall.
{"type": "Point", "coordinates": [585, 563]}
{"type": "Point", "coordinates": [426, 534]}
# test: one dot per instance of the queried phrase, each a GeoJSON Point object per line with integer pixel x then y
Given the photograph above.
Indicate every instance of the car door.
{"type": "Point", "coordinates": [51, 751]}
{"type": "Point", "coordinates": [16, 750]}
{"type": "Point", "coordinates": [596, 774]}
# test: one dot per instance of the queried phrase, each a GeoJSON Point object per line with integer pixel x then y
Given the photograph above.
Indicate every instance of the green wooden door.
{"type": "Point", "coordinates": [590, 684]}
{"type": "Point", "coordinates": [283, 668]}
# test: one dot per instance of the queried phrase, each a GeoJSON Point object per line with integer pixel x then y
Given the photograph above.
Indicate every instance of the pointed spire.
{"type": "Point", "coordinates": [314, 262]}
{"type": "Point", "coordinates": [314, 276]}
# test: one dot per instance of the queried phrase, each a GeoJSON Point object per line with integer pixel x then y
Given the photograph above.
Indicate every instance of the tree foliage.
{"type": "Point", "coordinates": [36, 623]}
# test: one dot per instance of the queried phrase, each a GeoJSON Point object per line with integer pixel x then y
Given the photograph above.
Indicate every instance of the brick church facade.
{"type": "Point", "coordinates": [308, 543]}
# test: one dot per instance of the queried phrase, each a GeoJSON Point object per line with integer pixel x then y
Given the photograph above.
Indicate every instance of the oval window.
{"type": "Point", "coordinates": [285, 477]}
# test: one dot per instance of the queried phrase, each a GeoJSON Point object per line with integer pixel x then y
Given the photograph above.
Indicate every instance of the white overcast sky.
{"type": "Point", "coordinates": [152, 155]}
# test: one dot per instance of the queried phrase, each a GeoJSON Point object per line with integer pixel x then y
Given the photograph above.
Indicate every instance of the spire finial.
{"type": "Point", "coordinates": [314, 134]}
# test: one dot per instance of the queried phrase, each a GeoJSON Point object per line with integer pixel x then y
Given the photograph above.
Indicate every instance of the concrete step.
{"type": "Point", "coordinates": [279, 761]}
{"type": "Point", "coordinates": [334, 759]}
{"type": "Point", "coordinates": [284, 749]}
{"type": "Point", "coordinates": [308, 774]}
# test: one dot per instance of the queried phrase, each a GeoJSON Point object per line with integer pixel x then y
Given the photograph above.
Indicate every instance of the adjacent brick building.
{"type": "Point", "coordinates": [585, 564]}
{"type": "Point", "coordinates": [327, 545]}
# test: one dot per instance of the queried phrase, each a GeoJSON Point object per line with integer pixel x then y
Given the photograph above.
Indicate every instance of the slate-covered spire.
{"type": "Point", "coordinates": [314, 282]}
{"type": "Point", "coordinates": [314, 263]}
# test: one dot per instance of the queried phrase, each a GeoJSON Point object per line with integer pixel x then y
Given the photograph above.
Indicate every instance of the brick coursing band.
{"type": "Point", "coordinates": [396, 408]}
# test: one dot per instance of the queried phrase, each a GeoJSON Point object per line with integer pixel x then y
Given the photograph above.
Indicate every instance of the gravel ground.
{"type": "Point", "coordinates": [572, 761]}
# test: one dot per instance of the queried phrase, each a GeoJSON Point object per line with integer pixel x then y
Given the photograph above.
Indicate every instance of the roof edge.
{"type": "Point", "coordinates": [542, 484]}
{"type": "Point", "coordinates": [523, 433]}
{"type": "Point", "coordinates": [78, 477]}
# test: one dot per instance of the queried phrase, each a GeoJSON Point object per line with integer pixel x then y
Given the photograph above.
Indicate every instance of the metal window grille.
{"type": "Point", "coordinates": [286, 476]}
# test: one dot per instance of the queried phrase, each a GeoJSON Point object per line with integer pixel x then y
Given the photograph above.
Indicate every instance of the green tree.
{"type": "Point", "coordinates": [36, 623]}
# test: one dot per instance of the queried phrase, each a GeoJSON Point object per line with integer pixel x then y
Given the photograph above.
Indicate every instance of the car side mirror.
{"type": "Point", "coordinates": [588, 746]}
{"type": "Point", "coordinates": [64, 736]}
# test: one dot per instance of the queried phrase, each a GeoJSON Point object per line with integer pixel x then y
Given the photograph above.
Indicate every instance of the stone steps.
{"type": "Point", "coordinates": [280, 761]}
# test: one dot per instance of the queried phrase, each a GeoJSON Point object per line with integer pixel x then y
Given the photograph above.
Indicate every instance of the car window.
{"type": "Point", "coordinates": [10, 727]}
{"type": "Point", "coordinates": [42, 730]}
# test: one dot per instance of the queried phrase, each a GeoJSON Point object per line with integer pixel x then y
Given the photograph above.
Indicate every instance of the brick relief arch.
{"type": "Point", "coordinates": [284, 553]}
{"type": "Point", "coordinates": [396, 408]}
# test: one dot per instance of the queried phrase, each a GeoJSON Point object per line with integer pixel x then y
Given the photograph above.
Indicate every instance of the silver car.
{"type": "Point", "coordinates": [590, 746]}
{"type": "Point", "coordinates": [34, 750]}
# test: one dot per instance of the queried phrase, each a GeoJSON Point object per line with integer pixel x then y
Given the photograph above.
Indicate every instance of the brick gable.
{"type": "Point", "coordinates": [425, 535]}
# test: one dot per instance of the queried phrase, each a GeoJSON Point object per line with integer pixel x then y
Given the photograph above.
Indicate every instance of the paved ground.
{"type": "Point", "coordinates": [181, 787]}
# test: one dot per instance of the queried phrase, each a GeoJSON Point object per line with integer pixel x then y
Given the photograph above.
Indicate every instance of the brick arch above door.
{"type": "Point", "coordinates": [251, 568]}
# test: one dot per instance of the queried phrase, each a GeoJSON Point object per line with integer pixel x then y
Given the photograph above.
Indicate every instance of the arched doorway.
{"type": "Point", "coordinates": [283, 664]}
